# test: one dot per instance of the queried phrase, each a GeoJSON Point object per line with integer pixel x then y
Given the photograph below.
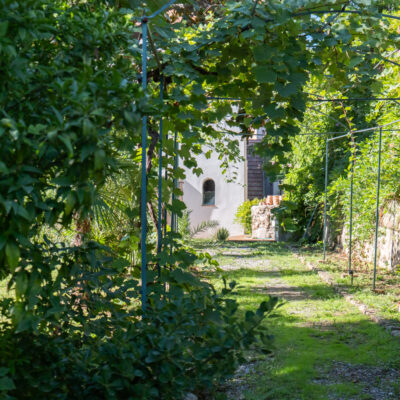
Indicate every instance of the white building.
{"type": "Point", "coordinates": [212, 197]}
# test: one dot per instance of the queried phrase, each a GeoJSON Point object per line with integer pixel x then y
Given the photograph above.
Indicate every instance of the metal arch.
{"type": "Point", "coordinates": [143, 195]}
{"type": "Point", "coordinates": [378, 184]}
{"type": "Point", "coordinates": [144, 21]}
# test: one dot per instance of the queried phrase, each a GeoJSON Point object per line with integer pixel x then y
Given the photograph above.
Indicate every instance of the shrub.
{"type": "Point", "coordinates": [243, 214]}
{"type": "Point", "coordinates": [222, 234]}
{"type": "Point", "coordinates": [74, 328]}
{"type": "Point", "coordinates": [101, 348]}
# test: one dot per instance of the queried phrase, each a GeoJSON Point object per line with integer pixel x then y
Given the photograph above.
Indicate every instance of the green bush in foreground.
{"type": "Point", "coordinates": [93, 342]}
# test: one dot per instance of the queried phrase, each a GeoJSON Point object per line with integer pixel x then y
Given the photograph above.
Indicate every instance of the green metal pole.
{"type": "Point", "coordinates": [160, 158]}
{"type": "Point", "coordinates": [143, 197]}
{"type": "Point", "coordinates": [378, 186]}
{"type": "Point", "coordinates": [351, 216]}
{"type": "Point", "coordinates": [166, 180]}
{"type": "Point", "coordinates": [326, 197]}
{"type": "Point", "coordinates": [173, 215]}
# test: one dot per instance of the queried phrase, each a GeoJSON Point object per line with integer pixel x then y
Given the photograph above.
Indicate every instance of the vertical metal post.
{"type": "Point", "coordinates": [326, 197]}
{"type": "Point", "coordinates": [393, 230]}
{"type": "Point", "coordinates": [173, 216]}
{"type": "Point", "coordinates": [166, 180]}
{"type": "Point", "coordinates": [160, 152]}
{"type": "Point", "coordinates": [378, 186]}
{"type": "Point", "coordinates": [143, 198]}
{"type": "Point", "coordinates": [351, 215]}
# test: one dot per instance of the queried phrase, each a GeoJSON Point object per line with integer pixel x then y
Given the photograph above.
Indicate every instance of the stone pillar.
{"type": "Point", "coordinates": [263, 224]}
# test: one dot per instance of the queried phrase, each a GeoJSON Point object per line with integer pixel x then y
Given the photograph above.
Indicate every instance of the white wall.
{"type": "Point", "coordinates": [228, 195]}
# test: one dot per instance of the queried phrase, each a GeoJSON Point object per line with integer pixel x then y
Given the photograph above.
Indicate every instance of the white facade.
{"type": "Point", "coordinates": [228, 195]}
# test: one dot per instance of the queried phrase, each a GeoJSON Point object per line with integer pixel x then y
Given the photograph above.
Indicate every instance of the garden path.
{"type": "Point", "coordinates": [324, 347]}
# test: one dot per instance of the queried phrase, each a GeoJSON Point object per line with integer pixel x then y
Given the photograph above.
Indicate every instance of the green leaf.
{"type": "Point", "coordinates": [21, 211]}
{"type": "Point", "coordinates": [99, 159]}
{"type": "Point", "coordinates": [6, 384]}
{"type": "Point", "coordinates": [3, 241]}
{"type": "Point", "coordinates": [264, 75]}
{"type": "Point", "coordinates": [249, 315]}
{"type": "Point", "coordinates": [120, 264]}
{"type": "Point", "coordinates": [273, 111]}
{"type": "Point", "coordinates": [62, 181]}
{"type": "Point", "coordinates": [3, 28]}
{"type": "Point", "coordinates": [288, 90]}
{"type": "Point", "coordinates": [21, 284]}
{"type": "Point", "coordinates": [70, 202]}
{"type": "Point", "coordinates": [67, 142]}
{"type": "Point", "coordinates": [262, 53]}
{"type": "Point", "coordinates": [355, 61]}
{"type": "Point", "coordinates": [183, 277]}
{"type": "Point", "coordinates": [3, 168]}
{"type": "Point", "coordinates": [12, 255]}
{"type": "Point", "coordinates": [87, 127]}
{"type": "Point", "coordinates": [87, 150]}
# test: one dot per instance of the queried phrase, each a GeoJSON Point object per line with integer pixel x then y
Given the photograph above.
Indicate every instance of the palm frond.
{"type": "Point", "coordinates": [203, 226]}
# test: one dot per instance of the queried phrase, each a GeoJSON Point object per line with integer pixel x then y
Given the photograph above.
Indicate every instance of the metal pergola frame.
{"type": "Point", "coordinates": [377, 202]}
{"type": "Point", "coordinates": [144, 20]}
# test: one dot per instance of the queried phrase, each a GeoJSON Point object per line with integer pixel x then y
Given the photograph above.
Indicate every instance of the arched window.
{"type": "Point", "coordinates": [208, 193]}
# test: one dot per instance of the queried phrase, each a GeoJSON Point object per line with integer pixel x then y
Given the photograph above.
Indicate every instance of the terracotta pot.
{"type": "Point", "coordinates": [269, 200]}
{"type": "Point", "coordinates": [276, 200]}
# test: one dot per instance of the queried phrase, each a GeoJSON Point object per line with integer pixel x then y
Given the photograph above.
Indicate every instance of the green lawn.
{"type": "Point", "coordinates": [385, 300]}
{"type": "Point", "coordinates": [324, 347]}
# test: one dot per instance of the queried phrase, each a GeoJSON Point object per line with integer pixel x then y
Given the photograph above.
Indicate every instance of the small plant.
{"type": "Point", "coordinates": [222, 234]}
{"type": "Point", "coordinates": [243, 214]}
{"type": "Point", "coordinates": [184, 224]}
{"type": "Point", "coordinates": [203, 226]}
{"type": "Point", "coordinates": [187, 232]}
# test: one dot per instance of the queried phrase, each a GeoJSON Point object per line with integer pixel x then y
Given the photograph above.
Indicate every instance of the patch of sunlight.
{"type": "Point", "coordinates": [290, 369]}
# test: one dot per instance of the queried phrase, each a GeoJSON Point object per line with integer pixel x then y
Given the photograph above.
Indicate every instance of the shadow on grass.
{"type": "Point", "coordinates": [244, 272]}
{"type": "Point", "coordinates": [290, 293]}
{"type": "Point", "coordinates": [334, 361]}
{"type": "Point", "coordinates": [264, 247]}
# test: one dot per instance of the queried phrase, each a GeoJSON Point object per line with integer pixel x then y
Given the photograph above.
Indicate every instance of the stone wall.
{"type": "Point", "coordinates": [388, 239]}
{"type": "Point", "coordinates": [263, 223]}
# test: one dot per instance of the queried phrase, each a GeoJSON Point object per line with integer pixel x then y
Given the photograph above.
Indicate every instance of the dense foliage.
{"type": "Point", "coordinates": [373, 75]}
{"type": "Point", "coordinates": [98, 345]}
{"type": "Point", "coordinates": [71, 103]}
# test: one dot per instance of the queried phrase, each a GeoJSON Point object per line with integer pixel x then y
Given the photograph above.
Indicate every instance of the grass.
{"type": "Point", "coordinates": [385, 300]}
{"type": "Point", "coordinates": [324, 348]}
